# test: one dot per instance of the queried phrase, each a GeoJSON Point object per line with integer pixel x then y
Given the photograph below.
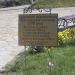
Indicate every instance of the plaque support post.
{"type": "Point", "coordinates": [25, 60]}
{"type": "Point", "coordinates": [50, 53]}
{"type": "Point", "coordinates": [50, 60]}
{"type": "Point", "coordinates": [50, 9]}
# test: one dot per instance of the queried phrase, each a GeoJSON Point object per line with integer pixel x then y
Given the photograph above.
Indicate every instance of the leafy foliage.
{"type": "Point", "coordinates": [45, 3]}
{"type": "Point", "coordinates": [66, 35]}
{"type": "Point", "coordinates": [14, 3]}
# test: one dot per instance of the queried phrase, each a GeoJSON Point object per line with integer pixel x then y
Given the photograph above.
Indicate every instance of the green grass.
{"type": "Point", "coordinates": [56, 3]}
{"type": "Point", "coordinates": [63, 59]}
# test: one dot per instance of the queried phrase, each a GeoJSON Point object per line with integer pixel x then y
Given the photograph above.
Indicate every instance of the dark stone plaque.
{"type": "Point", "coordinates": [38, 29]}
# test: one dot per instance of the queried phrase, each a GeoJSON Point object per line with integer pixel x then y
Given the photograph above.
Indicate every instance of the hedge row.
{"type": "Point", "coordinates": [14, 3]}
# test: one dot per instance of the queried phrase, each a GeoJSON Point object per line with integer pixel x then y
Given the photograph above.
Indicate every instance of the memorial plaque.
{"type": "Point", "coordinates": [38, 29]}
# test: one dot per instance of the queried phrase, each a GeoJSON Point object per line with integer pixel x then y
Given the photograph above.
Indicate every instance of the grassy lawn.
{"type": "Point", "coordinates": [56, 3]}
{"type": "Point", "coordinates": [63, 59]}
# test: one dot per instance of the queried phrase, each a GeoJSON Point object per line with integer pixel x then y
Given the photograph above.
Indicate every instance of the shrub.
{"type": "Point", "coordinates": [66, 35]}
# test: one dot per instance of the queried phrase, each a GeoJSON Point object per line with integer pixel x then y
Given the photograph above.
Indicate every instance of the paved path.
{"type": "Point", "coordinates": [64, 11]}
{"type": "Point", "coordinates": [9, 35]}
{"type": "Point", "coordinates": [9, 47]}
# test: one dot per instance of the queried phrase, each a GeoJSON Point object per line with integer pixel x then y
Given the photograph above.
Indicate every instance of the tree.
{"type": "Point", "coordinates": [8, 3]}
